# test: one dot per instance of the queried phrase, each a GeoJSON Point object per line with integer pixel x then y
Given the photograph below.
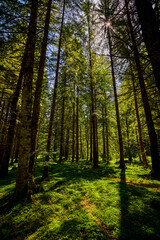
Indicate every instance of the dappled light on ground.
{"type": "Point", "coordinates": [79, 202]}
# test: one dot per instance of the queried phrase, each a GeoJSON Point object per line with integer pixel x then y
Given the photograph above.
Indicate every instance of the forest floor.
{"type": "Point", "coordinates": [79, 202]}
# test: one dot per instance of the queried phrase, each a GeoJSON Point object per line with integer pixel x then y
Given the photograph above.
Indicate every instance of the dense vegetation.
{"type": "Point", "coordinates": [80, 119]}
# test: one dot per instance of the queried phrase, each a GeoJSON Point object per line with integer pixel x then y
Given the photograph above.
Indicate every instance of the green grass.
{"type": "Point", "coordinates": [79, 202]}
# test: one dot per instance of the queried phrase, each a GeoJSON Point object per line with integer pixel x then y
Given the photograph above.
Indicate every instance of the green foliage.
{"type": "Point", "coordinates": [79, 202]}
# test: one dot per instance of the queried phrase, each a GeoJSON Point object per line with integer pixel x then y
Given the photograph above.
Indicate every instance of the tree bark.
{"type": "Point", "coordinates": [26, 109]}
{"type": "Point", "coordinates": [93, 117]}
{"type": "Point", "coordinates": [151, 130]}
{"type": "Point", "coordinates": [107, 135]}
{"type": "Point", "coordinates": [91, 138]}
{"type": "Point", "coordinates": [73, 124]}
{"type": "Point", "coordinates": [103, 134]}
{"type": "Point", "coordinates": [77, 126]}
{"type": "Point", "coordinates": [3, 143]}
{"type": "Point", "coordinates": [62, 118]}
{"type": "Point", "coordinates": [143, 155]}
{"type": "Point", "coordinates": [45, 171]}
{"type": "Point", "coordinates": [37, 99]}
{"type": "Point", "coordinates": [122, 163]}
{"type": "Point", "coordinates": [1, 99]}
{"type": "Point", "coordinates": [12, 120]}
{"type": "Point", "coordinates": [128, 141]}
{"type": "Point", "coordinates": [81, 143]}
{"type": "Point", "coordinates": [151, 35]}
{"type": "Point", "coordinates": [67, 144]}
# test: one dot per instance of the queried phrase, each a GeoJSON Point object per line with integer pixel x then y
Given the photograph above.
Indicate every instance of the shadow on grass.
{"type": "Point", "coordinates": [77, 171]}
{"type": "Point", "coordinates": [80, 229]}
{"type": "Point", "coordinates": [139, 220]}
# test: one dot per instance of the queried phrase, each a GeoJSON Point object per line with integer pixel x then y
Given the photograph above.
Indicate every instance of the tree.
{"type": "Point", "coordinates": [93, 116]}
{"type": "Point", "coordinates": [138, 119]}
{"type": "Point", "coordinates": [37, 99]}
{"type": "Point", "coordinates": [149, 120]}
{"type": "Point", "coordinates": [45, 172]}
{"type": "Point", "coordinates": [151, 35]}
{"type": "Point", "coordinates": [26, 109]}
{"type": "Point", "coordinates": [106, 10]}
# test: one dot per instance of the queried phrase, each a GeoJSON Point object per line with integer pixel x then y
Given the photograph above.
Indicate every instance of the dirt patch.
{"type": "Point", "coordinates": [89, 206]}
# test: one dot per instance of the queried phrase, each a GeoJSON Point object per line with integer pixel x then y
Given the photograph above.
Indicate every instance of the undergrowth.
{"type": "Point", "coordinates": [79, 202]}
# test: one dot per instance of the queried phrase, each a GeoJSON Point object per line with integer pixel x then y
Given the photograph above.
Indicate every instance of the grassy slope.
{"type": "Point", "coordinates": [82, 203]}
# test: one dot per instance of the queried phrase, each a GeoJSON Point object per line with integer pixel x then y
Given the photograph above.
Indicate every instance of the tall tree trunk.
{"type": "Point", "coordinates": [26, 109]}
{"type": "Point", "coordinates": [143, 155]}
{"type": "Point", "coordinates": [1, 99]}
{"type": "Point", "coordinates": [93, 117]}
{"type": "Point", "coordinates": [146, 105]}
{"type": "Point", "coordinates": [96, 134]}
{"type": "Point", "coordinates": [151, 35]}
{"type": "Point", "coordinates": [45, 171]}
{"type": "Point", "coordinates": [62, 131]}
{"type": "Point", "coordinates": [77, 126]}
{"type": "Point", "coordinates": [81, 142]}
{"type": "Point", "coordinates": [87, 147]}
{"type": "Point", "coordinates": [55, 144]}
{"type": "Point", "coordinates": [103, 134]}
{"type": "Point", "coordinates": [73, 124]}
{"type": "Point", "coordinates": [12, 120]}
{"type": "Point", "coordinates": [139, 150]}
{"type": "Point", "coordinates": [3, 142]}
{"type": "Point", "coordinates": [37, 99]}
{"type": "Point", "coordinates": [107, 135]}
{"type": "Point", "coordinates": [91, 138]}
{"type": "Point", "coordinates": [128, 141]}
{"type": "Point", "coordinates": [122, 163]}
{"type": "Point", "coordinates": [67, 144]}
{"type": "Point", "coordinates": [2, 110]}
{"type": "Point", "coordinates": [62, 118]}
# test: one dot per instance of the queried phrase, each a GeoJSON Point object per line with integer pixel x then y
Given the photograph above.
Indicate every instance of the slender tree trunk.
{"type": "Point", "coordinates": [3, 143]}
{"type": "Point", "coordinates": [87, 138]}
{"type": "Point", "coordinates": [87, 148]}
{"type": "Point", "coordinates": [67, 144]}
{"type": "Point", "coordinates": [128, 141]}
{"type": "Point", "coordinates": [26, 110]}
{"type": "Point", "coordinates": [103, 135]}
{"type": "Point", "coordinates": [149, 120]}
{"type": "Point", "coordinates": [73, 130]}
{"type": "Point", "coordinates": [77, 127]}
{"type": "Point", "coordinates": [37, 99]}
{"type": "Point", "coordinates": [107, 135]}
{"type": "Point", "coordinates": [143, 155]}
{"type": "Point", "coordinates": [151, 35]}
{"type": "Point", "coordinates": [1, 98]}
{"type": "Point", "coordinates": [62, 118]}
{"type": "Point", "coordinates": [81, 142]}
{"type": "Point", "coordinates": [96, 134]}
{"type": "Point", "coordinates": [2, 111]}
{"type": "Point", "coordinates": [55, 144]}
{"type": "Point", "coordinates": [91, 138]}
{"type": "Point", "coordinates": [45, 171]}
{"type": "Point", "coordinates": [62, 131]}
{"type": "Point", "coordinates": [93, 117]}
{"type": "Point", "coordinates": [139, 150]}
{"type": "Point", "coordinates": [122, 163]}
{"type": "Point", "coordinates": [12, 120]}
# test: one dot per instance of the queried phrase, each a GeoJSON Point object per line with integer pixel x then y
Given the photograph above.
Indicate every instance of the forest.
{"type": "Point", "coordinates": [80, 119]}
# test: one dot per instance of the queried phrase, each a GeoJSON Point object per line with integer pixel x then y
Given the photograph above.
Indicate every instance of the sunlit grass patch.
{"type": "Point", "coordinates": [80, 202]}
